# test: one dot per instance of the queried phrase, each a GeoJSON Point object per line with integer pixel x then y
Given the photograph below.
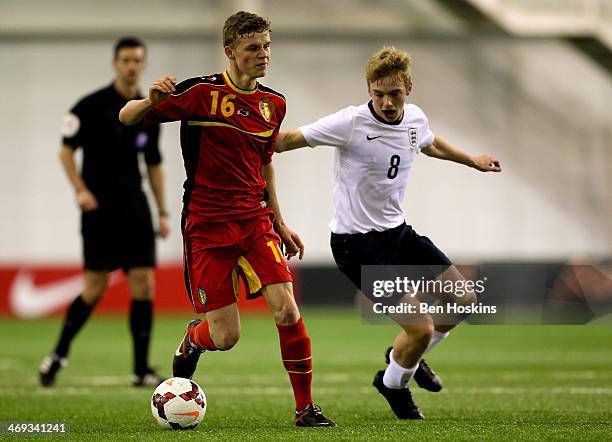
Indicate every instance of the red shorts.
{"type": "Point", "coordinates": [216, 255]}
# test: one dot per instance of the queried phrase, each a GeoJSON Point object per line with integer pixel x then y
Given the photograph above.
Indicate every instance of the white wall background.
{"type": "Point", "coordinates": [539, 106]}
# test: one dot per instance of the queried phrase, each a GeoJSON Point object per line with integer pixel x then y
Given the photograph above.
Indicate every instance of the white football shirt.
{"type": "Point", "coordinates": [372, 161]}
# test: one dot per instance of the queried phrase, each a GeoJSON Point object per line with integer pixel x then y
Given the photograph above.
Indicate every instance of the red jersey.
{"type": "Point", "coordinates": [227, 135]}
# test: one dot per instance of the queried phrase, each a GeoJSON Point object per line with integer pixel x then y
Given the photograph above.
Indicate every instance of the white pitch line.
{"type": "Point", "coordinates": [252, 391]}
{"type": "Point", "coordinates": [106, 381]}
{"type": "Point", "coordinates": [542, 391]}
{"type": "Point", "coordinates": [271, 380]}
{"type": "Point", "coordinates": [65, 391]}
{"type": "Point", "coordinates": [221, 380]}
{"type": "Point", "coordinates": [524, 375]}
{"type": "Point", "coordinates": [283, 391]}
{"type": "Point", "coordinates": [9, 363]}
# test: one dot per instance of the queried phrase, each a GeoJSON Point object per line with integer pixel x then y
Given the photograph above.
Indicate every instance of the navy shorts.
{"type": "Point", "coordinates": [398, 246]}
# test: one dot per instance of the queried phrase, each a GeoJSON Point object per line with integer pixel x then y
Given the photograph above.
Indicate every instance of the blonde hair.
{"type": "Point", "coordinates": [389, 62]}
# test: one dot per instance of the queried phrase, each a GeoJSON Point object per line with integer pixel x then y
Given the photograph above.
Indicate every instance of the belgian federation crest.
{"type": "Point", "coordinates": [266, 108]}
{"type": "Point", "coordinates": [202, 295]}
{"type": "Point", "coordinates": [412, 136]}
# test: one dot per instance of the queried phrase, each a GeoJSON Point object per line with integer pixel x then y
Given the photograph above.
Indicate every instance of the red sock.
{"type": "Point", "coordinates": [200, 336]}
{"type": "Point", "coordinates": [297, 359]}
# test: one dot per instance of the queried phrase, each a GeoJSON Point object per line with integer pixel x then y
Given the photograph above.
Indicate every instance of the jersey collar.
{"type": "Point", "coordinates": [375, 115]}
{"type": "Point", "coordinates": [231, 84]}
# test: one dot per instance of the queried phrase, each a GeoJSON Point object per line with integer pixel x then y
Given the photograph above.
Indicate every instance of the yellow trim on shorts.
{"type": "Point", "coordinates": [250, 275]}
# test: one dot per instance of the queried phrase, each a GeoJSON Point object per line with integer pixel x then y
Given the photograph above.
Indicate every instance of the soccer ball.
{"type": "Point", "coordinates": [178, 404]}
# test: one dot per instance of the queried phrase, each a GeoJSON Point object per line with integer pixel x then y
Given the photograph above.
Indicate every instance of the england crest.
{"type": "Point", "coordinates": [412, 136]}
{"type": "Point", "coordinates": [266, 108]}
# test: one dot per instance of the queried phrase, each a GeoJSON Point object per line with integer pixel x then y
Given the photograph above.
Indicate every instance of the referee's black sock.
{"type": "Point", "coordinates": [76, 316]}
{"type": "Point", "coordinates": [141, 320]}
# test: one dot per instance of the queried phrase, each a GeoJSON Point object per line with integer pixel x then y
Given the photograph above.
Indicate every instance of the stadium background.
{"type": "Point", "coordinates": [526, 81]}
{"type": "Point", "coordinates": [529, 96]}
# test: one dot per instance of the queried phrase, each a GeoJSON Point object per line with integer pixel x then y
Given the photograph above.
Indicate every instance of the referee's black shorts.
{"type": "Point", "coordinates": [398, 246]}
{"type": "Point", "coordinates": [119, 234]}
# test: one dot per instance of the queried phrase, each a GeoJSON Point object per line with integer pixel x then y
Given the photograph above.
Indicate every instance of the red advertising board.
{"type": "Point", "coordinates": [42, 290]}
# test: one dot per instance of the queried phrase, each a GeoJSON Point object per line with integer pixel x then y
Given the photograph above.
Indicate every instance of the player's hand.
{"type": "Point", "coordinates": [164, 226]}
{"type": "Point", "coordinates": [86, 200]}
{"type": "Point", "coordinates": [291, 242]}
{"type": "Point", "coordinates": [161, 89]}
{"type": "Point", "coordinates": [487, 163]}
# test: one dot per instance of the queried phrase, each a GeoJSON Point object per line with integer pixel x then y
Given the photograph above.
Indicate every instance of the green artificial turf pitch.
{"type": "Point", "coordinates": [501, 382]}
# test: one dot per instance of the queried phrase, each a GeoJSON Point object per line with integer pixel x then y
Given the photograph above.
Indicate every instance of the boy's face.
{"type": "Point", "coordinates": [129, 64]}
{"type": "Point", "coordinates": [388, 96]}
{"type": "Point", "coordinates": [251, 54]}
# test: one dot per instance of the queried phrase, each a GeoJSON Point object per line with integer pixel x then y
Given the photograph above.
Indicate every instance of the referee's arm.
{"type": "Point", "coordinates": [85, 199]}
{"type": "Point", "coordinates": [156, 178]}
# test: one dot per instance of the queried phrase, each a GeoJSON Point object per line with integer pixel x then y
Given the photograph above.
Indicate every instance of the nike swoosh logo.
{"type": "Point", "coordinates": [191, 413]}
{"type": "Point", "coordinates": [372, 138]}
{"type": "Point", "coordinates": [30, 301]}
{"type": "Point", "coordinates": [178, 351]}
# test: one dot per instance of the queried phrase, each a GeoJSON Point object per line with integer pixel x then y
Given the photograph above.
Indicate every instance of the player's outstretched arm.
{"type": "Point", "coordinates": [291, 240]}
{"type": "Point", "coordinates": [289, 140]}
{"type": "Point", "coordinates": [159, 90]}
{"type": "Point", "coordinates": [444, 150]}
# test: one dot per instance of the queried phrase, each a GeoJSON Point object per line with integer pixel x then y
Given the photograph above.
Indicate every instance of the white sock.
{"type": "Point", "coordinates": [397, 376]}
{"type": "Point", "coordinates": [436, 337]}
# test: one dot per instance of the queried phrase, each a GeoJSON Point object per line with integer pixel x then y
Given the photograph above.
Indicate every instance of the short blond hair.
{"type": "Point", "coordinates": [389, 62]}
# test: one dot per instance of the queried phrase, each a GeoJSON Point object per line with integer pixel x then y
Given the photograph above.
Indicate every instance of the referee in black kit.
{"type": "Point", "coordinates": [116, 221]}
